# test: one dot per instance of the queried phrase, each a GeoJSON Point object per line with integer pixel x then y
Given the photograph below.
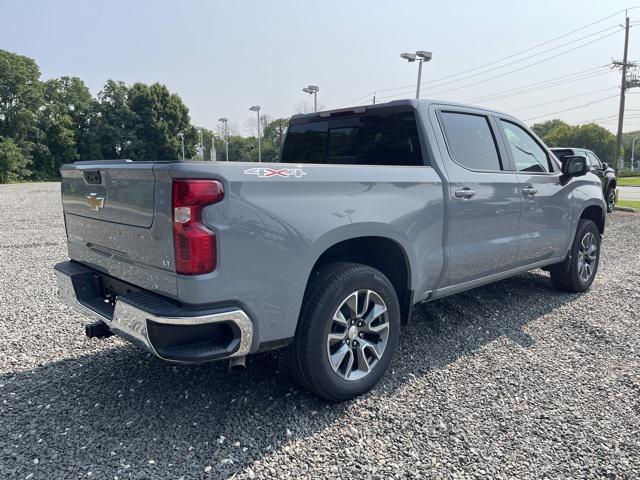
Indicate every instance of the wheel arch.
{"type": "Point", "coordinates": [611, 182]}
{"type": "Point", "coordinates": [596, 214]}
{"type": "Point", "coordinates": [379, 251]}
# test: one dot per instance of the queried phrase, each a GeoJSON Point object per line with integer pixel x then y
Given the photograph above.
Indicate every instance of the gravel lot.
{"type": "Point", "coordinates": [512, 380]}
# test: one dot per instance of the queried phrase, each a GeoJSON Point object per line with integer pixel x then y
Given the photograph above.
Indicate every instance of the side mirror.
{"type": "Point", "coordinates": [574, 166]}
{"type": "Point", "coordinates": [605, 165]}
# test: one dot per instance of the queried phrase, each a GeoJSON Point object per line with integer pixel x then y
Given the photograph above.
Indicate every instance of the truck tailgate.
{"type": "Point", "coordinates": [122, 194]}
{"type": "Point", "coordinates": [118, 220]}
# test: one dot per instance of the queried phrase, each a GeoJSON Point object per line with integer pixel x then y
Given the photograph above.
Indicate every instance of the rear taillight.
{"type": "Point", "coordinates": [193, 243]}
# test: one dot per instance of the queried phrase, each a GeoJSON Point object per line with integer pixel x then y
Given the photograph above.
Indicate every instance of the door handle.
{"type": "Point", "coordinates": [466, 192]}
{"type": "Point", "coordinates": [529, 190]}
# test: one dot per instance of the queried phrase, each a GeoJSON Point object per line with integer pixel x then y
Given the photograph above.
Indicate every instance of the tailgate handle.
{"type": "Point", "coordinates": [93, 177]}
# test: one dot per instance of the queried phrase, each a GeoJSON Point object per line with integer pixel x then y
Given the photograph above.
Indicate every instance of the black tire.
{"type": "Point", "coordinates": [610, 198]}
{"type": "Point", "coordinates": [308, 356]}
{"type": "Point", "coordinates": [573, 279]}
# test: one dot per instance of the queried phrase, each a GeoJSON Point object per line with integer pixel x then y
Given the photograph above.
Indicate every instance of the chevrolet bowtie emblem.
{"type": "Point", "coordinates": [94, 202]}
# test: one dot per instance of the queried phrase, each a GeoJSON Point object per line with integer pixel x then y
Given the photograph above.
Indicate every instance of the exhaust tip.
{"type": "Point", "coordinates": [236, 364]}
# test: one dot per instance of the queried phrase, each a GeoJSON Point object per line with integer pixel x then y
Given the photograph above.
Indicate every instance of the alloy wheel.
{"type": "Point", "coordinates": [358, 335]}
{"type": "Point", "coordinates": [611, 199]}
{"type": "Point", "coordinates": [587, 256]}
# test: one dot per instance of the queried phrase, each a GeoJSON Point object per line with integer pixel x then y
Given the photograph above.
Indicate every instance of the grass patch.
{"type": "Point", "coordinates": [628, 181]}
{"type": "Point", "coordinates": [628, 203]}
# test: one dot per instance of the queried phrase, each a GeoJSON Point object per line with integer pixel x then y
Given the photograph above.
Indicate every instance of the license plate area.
{"type": "Point", "coordinates": [100, 292]}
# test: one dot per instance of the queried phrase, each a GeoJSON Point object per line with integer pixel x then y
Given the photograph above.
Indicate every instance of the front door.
{"type": "Point", "coordinates": [484, 198]}
{"type": "Point", "coordinates": [545, 223]}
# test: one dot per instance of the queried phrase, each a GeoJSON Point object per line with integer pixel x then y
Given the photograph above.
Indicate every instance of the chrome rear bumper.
{"type": "Point", "coordinates": [133, 323]}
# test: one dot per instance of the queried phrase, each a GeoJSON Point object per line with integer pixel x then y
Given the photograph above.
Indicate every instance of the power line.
{"type": "Point", "coordinates": [572, 108]}
{"type": "Point", "coordinates": [529, 56]}
{"type": "Point", "coordinates": [368, 94]}
{"type": "Point", "coordinates": [522, 51]}
{"type": "Point", "coordinates": [552, 82]}
{"type": "Point", "coordinates": [593, 120]}
{"type": "Point", "coordinates": [543, 87]}
{"type": "Point", "coordinates": [517, 69]}
{"type": "Point", "coordinates": [564, 99]}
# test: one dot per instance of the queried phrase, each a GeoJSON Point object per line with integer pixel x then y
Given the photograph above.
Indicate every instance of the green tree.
{"type": "Point", "coordinates": [56, 145]}
{"type": "Point", "coordinates": [543, 128]}
{"type": "Point", "coordinates": [20, 95]}
{"type": "Point", "coordinates": [116, 121]}
{"type": "Point", "coordinates": [275, 131]}
{"type": "Point", "coordinates": [161, 115]}
{"type": "Point", "coordinates": [70, 96]}
{"type": "Point", "coordinates": [13, 163]}
{"type": "Point", "coordinates": [590, 136]}
{"type": "Point", "coordinates": [627, 139]}
{"type": "Point", "coordinates": [67, 123]}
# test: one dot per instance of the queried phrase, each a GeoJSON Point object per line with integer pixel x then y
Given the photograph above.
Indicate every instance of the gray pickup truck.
{"type": "Point", "coordinates": [371, 210]}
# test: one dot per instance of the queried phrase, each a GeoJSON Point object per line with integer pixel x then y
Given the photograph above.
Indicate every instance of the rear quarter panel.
{"type": "Point", "coordinates": [272, 230]}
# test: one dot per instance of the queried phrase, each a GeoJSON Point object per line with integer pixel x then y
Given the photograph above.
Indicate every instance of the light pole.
{"type": "Point", "coordinates": [313, 90]}
{"type": "Point", "coordinates": [181, 135]}
{"type": "Point", "coordinates": [421, 56]}
{"type": "Point", "coordinates": [201, 143]}
{"type": "Point", "coordinates": [256, 108]}
{"type": "Point", "coordinates": [225, 130]}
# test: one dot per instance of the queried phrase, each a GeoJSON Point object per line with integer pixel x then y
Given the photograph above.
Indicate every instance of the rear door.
{"type": "Point", "coordinates": [483, 196]}
{"type": "Point", "coordinates": [545, 224]}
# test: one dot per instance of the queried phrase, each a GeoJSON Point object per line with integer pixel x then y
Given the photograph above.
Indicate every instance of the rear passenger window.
{"type": "Point", "coordinates": [374, 138]}
{"type": "Point", "coordinates": [470, 140]}
{"type": "Point", "coordinates": [527, 154]}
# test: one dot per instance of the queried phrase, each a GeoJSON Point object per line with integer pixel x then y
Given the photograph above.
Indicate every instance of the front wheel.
{"type": "Point", "coordinates": [610, 197]}
{"type": "Point", "coordinates": [348, 331]}
{"type": "Point", "coordinates": [584, 260]}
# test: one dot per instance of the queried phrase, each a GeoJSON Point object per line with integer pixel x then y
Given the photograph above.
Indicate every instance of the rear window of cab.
{"type": "Point", "coordinates": [377, 137]}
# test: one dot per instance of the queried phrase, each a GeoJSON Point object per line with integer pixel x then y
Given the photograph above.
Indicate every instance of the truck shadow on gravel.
{"type": "Point", "coordinates": [123, 413]}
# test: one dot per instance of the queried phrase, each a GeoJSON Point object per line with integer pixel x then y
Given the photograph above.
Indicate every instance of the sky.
{"type": "Point", "coordinates": [222, 57]}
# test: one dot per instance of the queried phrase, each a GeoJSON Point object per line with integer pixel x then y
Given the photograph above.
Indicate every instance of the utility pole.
{"type": "Point", "coordinates": [623, 88]}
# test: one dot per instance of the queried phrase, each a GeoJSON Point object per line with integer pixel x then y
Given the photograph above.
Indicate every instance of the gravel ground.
{"type": "Point", "coordinates": [512, 380]}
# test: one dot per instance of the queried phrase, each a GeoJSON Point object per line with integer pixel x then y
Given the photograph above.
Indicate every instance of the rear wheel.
{"type": "Point", "coordinates": [347, 333]}
{"type": "Point", "coordinates": [610, 198]}
{"type": "Point", "coordinates": [585, 257]}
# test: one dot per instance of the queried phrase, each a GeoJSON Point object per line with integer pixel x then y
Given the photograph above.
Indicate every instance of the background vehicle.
{"type": "Point", "coordinates": [606, 174]}
{"type": "Point", "coordinates": [372, 210]}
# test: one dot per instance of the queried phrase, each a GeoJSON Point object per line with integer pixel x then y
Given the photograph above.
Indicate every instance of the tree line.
{"type": "Point", "coordinates": [44, 124]}
{"type": "Point", "coordinates": [556, 133]}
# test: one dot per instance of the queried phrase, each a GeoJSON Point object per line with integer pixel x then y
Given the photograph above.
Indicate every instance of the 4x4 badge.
{"type": "Point", "coordinates": [262, 172]}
